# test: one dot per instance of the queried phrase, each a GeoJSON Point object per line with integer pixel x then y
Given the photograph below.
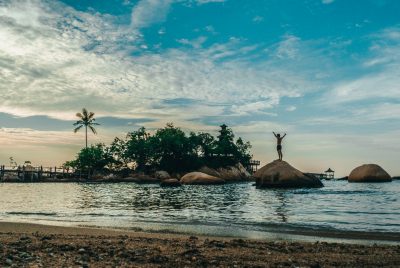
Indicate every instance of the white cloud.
{"type": "Point", "coordinates": [291, 108]}
{"type": "Point", "coordinates": [258, 19]}
{"type": "Point", "coordinates": [196, 43]}
{"type": "Point", "coordinates": [69, 60]}
{"type": "Point", "coordinates": [202, 2]}
{"type": "Point", "coordinates": [382, 78]}
{"type": "Point", "coordinates": [288, 48]}
{"type": "Point", "coordinates": [147, 12]}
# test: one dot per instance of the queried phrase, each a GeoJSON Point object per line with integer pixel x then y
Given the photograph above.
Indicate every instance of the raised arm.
{"type": "Point", "coordinates": [284, 136]}
{"type": "Point", "coordinates": [274, 134]}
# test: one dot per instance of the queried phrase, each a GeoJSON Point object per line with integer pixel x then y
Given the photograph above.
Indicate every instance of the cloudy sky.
{"type": "Point", "coordinates": [327, 72]}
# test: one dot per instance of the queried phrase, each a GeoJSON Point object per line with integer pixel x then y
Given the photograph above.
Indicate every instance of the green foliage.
{"type": "Point", "coordinates": [95, 157]}
{"type": "Point", "coordinates": [138, 148]}
{"type": "Point", "coordinates": [172, 150]}
{"type": "Point", "coordinates": [87, 120]}
{"type": "Point", "coordinates": [169, 149]}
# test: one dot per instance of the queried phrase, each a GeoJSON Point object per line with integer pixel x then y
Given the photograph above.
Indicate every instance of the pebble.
{"type": "Point", "coordinates": [9, 262]}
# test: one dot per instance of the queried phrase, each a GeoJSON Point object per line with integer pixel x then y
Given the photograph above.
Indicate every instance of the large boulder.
{"type": "Point", "coordinates": [279, 174]}
{"type": "Point", "coordinates": [369, 173]}
{"type": "Point", "coordinates": [200, 178]}
{"type": "Point", "coordinates": [235, 173]}
{"type": "Point", "coordinates": [170, 183]}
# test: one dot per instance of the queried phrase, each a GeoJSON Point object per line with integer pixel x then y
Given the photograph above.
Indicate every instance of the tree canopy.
{"type": "Point", "coordinates": [169, 148]}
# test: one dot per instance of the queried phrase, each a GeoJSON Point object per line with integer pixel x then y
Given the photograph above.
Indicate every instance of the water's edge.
{"type": "Point", "coordinates": [339, 212]}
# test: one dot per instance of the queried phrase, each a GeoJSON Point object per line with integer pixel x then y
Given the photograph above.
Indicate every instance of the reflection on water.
{"type": "Point", "coordinates": [339, 205]}
{"type": "Point", "coordinates": [281, 210]}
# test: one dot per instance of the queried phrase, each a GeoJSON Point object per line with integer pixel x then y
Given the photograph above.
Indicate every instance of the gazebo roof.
{"type": "Point", "coordinates": [329, 170]}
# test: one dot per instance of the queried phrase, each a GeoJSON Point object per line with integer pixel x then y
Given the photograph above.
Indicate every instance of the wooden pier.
{"type": "Point", "coordinates": [253, 165]}
{"type": "Point", "coordinates": [34, 174]}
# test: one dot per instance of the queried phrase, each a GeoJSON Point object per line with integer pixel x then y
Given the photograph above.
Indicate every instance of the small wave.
{"type": "Point", "coordinates": [31, 213]}
{"type": "Point", "coordinates": [335, 192]}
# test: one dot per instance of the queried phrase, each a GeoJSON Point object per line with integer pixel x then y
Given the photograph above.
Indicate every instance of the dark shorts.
{"type": "Point", "coordinates": [279, 147]}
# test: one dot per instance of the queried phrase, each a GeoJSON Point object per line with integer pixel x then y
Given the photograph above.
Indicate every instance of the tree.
{"type": "Point", "coordinates": [94, 158]}
{"type": "Point", "coordinates": [242, 154]}
{"type": "Point", "coordinates": [225, 145]}
{"type": "Point", "coordinates": [172, 149]}
{"type": "Point", "coordinates": [137, 148]}
{"type": "Point", "coordinates": [87, 120]}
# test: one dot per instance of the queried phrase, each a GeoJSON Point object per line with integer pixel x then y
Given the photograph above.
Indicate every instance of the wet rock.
{"type": "Point", "coordinates": [199, 178]}
{"type": "Point", "coordinates": [170, 183]}
{"type": "Point", "coordinates": [141, 179]}
{"type": "Point", "coordinates": [369, 173]}
{"type": "Point", "coordinates": [235, 173]}
{"type": "Point", "coordinates": [162, 175]}
{"type": "Point", "coordinates": [279, 174]}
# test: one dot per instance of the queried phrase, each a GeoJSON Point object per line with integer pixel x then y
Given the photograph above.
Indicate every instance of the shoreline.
{"type": "Point", "coordinates": [29, 244]}
{"type": "Point", "coordinates": [297, 234]}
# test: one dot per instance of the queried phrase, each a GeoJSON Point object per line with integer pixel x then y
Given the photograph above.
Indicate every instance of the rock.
{"type": "Point", "coordinates": [369, 173]}
{"type": "Point", "coordinates": [141, 178]}
{"type": "Point", "coordinates": [200, 178]}
{"type": "Point", "coordinates": [229, 174]}
{"type": "Point", "coordinates": [9, 262]}
{"type": "Point", "coordinates": [137, 178]}
{"type": "Point", "coordinates": [209, 171]}
{"type": "Point", "coordinates": [161, 175]}
{"type": "Point", "coordinates": [234, 173]}
{"type": "Point", "coordinates": [279, 174]}
{"type": "Point", "coordinates": [170, 183]}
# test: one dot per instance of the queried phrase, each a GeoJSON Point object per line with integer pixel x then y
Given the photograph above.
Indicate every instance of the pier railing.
{"type": "Point", "coordinates": [30, 173]}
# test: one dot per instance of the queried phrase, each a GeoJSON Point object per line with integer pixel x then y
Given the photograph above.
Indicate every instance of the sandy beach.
{"type": "Point", "coordinates": [33, 245]}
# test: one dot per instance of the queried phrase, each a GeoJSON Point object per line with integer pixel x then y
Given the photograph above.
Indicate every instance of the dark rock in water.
{"type": "Point", "coordinates": [343, 178]}
{"type": "Point", "coordinates": [396, 178]}
{"type": "Point", "coordinates": [279, 174]}
{"type": "Point", "coordinates": [162, 175]}
{"type": "Point", "coordinates": [141, 178]}
{"type": "Point", "coordinates": [369, 173]}
{"type": "Point", "coordinates": [170, 183]}
{"type": "Point", "coordinates": [200, 178]}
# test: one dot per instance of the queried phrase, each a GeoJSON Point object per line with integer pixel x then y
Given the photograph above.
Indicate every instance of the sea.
{"type": "Point", "coordinates": [340, 211]}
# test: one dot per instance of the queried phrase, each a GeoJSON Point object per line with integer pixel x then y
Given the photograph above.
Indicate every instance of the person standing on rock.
{"type": "Point", "coordinates": [279, 144]}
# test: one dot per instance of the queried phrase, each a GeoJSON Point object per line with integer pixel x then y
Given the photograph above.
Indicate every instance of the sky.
{"type": "Point", "coordinates": [326, 72]}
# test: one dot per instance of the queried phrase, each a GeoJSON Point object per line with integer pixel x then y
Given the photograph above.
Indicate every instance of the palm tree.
{"type": "Point", "coordinates": [86, 119]}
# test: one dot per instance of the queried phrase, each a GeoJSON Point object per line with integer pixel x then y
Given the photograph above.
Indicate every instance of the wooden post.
{"type": "Point", "coordinates": [23, 173]}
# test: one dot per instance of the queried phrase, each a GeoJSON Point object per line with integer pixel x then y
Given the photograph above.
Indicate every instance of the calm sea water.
{"type": "Point", "coordinates": [238, 209]}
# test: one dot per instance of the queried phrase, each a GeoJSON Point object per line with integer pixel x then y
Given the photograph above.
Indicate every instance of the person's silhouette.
{"type": "Point", "coordinates": [279, 144]}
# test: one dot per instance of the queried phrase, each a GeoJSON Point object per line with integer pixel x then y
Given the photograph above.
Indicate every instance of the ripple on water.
{"type": "Point", "coordinates": [339, 205]}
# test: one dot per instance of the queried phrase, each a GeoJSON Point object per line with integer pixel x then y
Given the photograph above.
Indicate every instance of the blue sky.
{"type": "Point", "coordinates": [327, 72]}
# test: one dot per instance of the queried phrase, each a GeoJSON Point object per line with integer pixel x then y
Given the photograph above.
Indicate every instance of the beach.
{"type": "Point", "coordinates": [36, 245]}
{"type": "Point", "coordinates": [33, 245]}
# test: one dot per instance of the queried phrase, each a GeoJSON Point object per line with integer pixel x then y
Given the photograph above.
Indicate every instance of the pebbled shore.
{"type": "Point", "coordinates": [32, 245]}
